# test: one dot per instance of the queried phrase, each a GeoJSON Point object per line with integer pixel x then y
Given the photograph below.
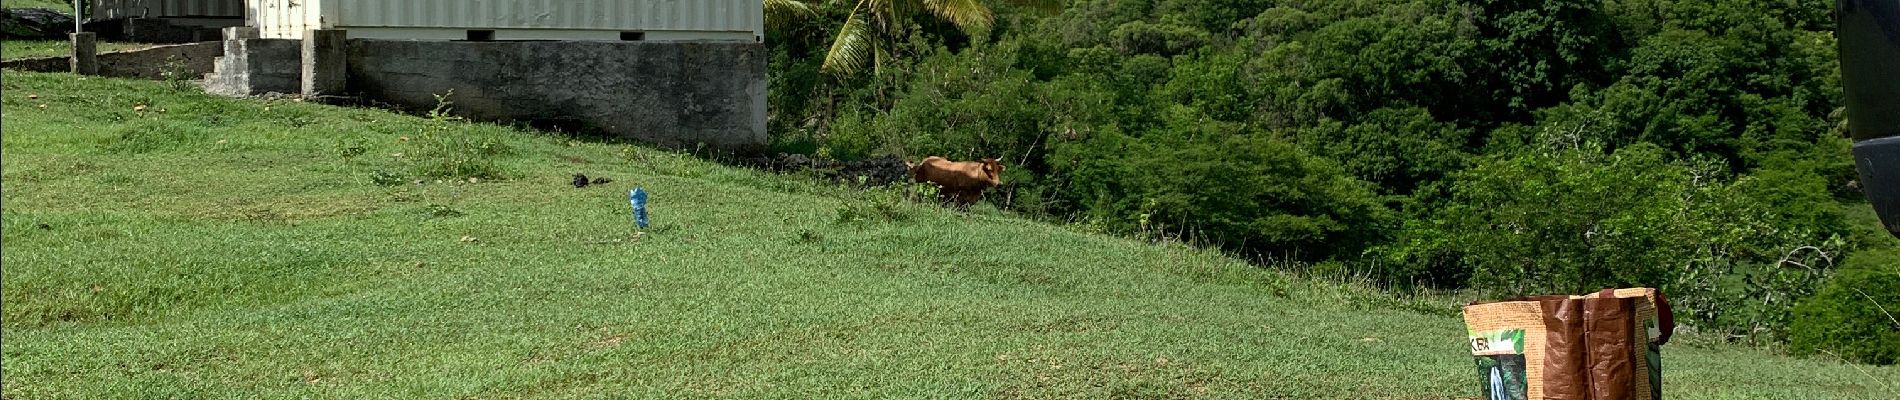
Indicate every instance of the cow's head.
{"type": "Point", "coordinates": [993, 170]}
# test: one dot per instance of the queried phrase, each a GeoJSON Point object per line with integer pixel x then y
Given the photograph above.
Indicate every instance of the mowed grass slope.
{"type": "Point", "coordinates": [219, 248]}
{"type": "Point", "coordinates": [12, 49]}
{"type": "Point", "coordinates": [55, 5]}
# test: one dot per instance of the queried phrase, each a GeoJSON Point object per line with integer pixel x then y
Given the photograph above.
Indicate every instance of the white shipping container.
{"type": "Point", "coordinates": [116, 9]}
{"type": "Point", "coordinates": [286, 19]}
{"type": "Point", "coordinates": [515, 19]}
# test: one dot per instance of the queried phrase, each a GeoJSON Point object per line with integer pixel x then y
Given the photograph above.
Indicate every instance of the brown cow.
{"type": "Point", "coordinates": [964, 181]}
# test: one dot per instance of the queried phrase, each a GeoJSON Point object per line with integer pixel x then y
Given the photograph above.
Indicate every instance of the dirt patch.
{"type": "Point", "coordinates": [607, 342]}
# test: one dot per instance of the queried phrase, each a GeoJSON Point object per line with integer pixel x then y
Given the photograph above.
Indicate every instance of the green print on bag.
{"type": "Point", "coordinates": [1655, 371]}
{"type": "Point", "coordinates": [1500, 356]}
{"type": "Point", "coordinates": [1507, 341]}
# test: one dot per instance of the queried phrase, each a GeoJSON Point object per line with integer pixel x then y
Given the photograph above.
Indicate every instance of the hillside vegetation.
{"type": "Point", "coordinates": [170, 244]}
{"type": "Point", "coordinates": [1502, 147]}
{"type": "Point", "coordinates": [55, 5]}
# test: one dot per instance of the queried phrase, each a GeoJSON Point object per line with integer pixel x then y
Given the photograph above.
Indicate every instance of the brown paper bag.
{"type": "Point", "coordinates": [1601, 346]}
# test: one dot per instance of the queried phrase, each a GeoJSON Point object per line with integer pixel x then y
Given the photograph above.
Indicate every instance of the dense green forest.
{"type": "Point", "coordinates": [1502, 147]}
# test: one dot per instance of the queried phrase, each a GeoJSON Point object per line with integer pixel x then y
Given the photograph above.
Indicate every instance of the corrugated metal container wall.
{"type": "Point", "coordinates": [619, 15]}
{"type": "Point", "coordinates": [281, 19]}
{"type": "Point", "coordinates": [114, 9]}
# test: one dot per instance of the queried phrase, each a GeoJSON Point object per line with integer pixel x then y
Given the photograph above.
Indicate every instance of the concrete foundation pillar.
{"type": "Point", "coordinates": [240, 32]}
{"type": "Point", "coordinates": [85, 53]}
{"type": "Point", "coordinates": [325, 67]}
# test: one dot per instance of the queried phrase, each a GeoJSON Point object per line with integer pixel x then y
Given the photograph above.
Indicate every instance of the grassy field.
{"type": "Point", "coordinates": [169, 244]}
{"type": "Point", "coordinates": [56, 5]}
{"type": "Point", "coordinates": [12, 49]}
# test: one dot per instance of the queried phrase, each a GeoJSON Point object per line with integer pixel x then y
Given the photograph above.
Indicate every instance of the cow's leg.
{"type": "Point", "coordinates": [945, 195]}
{"type": "Point", "coordinates": [969, 197]}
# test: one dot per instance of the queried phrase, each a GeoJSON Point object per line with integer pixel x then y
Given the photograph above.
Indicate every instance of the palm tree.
{"type": "Point", "coordinates": [874, 26]}
{"type": "Point", "coordinates": [781, 14]}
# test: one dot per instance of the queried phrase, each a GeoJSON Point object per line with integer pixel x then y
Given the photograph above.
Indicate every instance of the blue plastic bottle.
{"type": "Point", "coordinates": [639, 199]}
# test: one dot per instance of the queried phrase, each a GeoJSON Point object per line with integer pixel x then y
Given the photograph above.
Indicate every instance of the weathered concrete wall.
{"type": "Point", "coordinates": [670, 94]}
{"type": "Point", "coordinates": [325, 62]}
{"type": "Point", "coordinates": [253, 67]}
{"type": "Point", "coordinates": [195, 60]}
{"type": "Point", "coordinates": [42, 64]}
{"type": "Point", "coordinates": [148, 63]}
{"type": "Point", "coordinates": [85, 53]}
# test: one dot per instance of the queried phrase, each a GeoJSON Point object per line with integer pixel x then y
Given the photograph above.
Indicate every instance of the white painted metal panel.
{"type": "Point", "coordinates": [282, 19]}
{"type": "Point", "coordinates": [563, 19]}
{"type": "Point", "coordinates": [113, 9]}
{"type": "Point", "coordinates": [545, 34]}
{"type": "Point", "coordinates": [669, 15]}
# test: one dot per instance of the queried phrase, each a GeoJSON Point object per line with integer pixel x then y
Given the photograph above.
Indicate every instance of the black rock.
{"type": "Point", "coordinates": [34, 23]}
{"type": "Point", "coordinates": [875, 172]}
{"type": "Point", "coordinates": [795, 161]}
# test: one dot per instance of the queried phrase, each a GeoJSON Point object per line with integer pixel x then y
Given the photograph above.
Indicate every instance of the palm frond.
{"type": "Point", "coordinates": [971, 15]}
{"type": "Point", "coordinates": [869, 32]}
{"type": "Point", "coordinates": [854, 45]}
{"type": "Point", "coordinates": [780, 14]}
{"type": "Point", "coordinates": [1046, 6]}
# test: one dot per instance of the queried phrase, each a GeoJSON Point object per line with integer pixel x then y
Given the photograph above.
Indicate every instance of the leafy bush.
{"type": "Point", "coordinates": [447, 147]}
{"type": "Point", "coordinates": [1561, 221]}
{"type": "Point", "coordinates": [177, 74]}
{"type": "Point", "coordinates": [1427, 152]}
{"type": "Point", "coordinates": [1251, 193]}
{"type": "Point", "coordinates": [1737, 254]}
{"type": "Point", "coordinates": [1514, 147]}
{"type": "Point", "coordinates": [1141, 37]}
{"type": "Point", "coordinates": [1854, 316]}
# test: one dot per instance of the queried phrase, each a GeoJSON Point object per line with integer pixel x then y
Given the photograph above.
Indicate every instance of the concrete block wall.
{"type": "Point", "coordinates": [324, 60]}
{"type": "Point", "coordinates": [253, 67]}
{"type": "Point", "coordinates": [147, 63]}
{"type": "Point", "coordinates": [41, 64]}
{"type": "Point", "coordinates": [669, 94]}
{"type": "Point", "coordinates": [196, 58]}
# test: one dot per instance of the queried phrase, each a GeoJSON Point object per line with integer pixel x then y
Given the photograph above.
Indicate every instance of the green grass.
{"type": "Point", "coordinates": [220, 248]}
{"type": "Point", "coordinates": [13, 49]}
{"type": "Point", "coordinates": [55, 5]}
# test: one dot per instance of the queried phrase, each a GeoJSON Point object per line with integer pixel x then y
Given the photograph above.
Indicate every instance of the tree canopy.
{"type": "Point", "coordinates": [1499, 146]}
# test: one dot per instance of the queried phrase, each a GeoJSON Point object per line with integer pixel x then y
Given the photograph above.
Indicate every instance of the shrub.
{"type": "Point", "coordinates": [177, 73]}
{"type": "Point", "coordinates": [1140, 37]}
{"type": "Point", "coordinates": [1251, 193]}
{"type": "Point", "coordinates": [1854, 315]}
{"type": "Point", "coordinates": [1560, 222]}
{"type": "Point", "coordinates": [1736, 255]}
{"type": "Point", "coordinates": [1428, 151]}
{"type": "Point", "coordinates": [448, 148]}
